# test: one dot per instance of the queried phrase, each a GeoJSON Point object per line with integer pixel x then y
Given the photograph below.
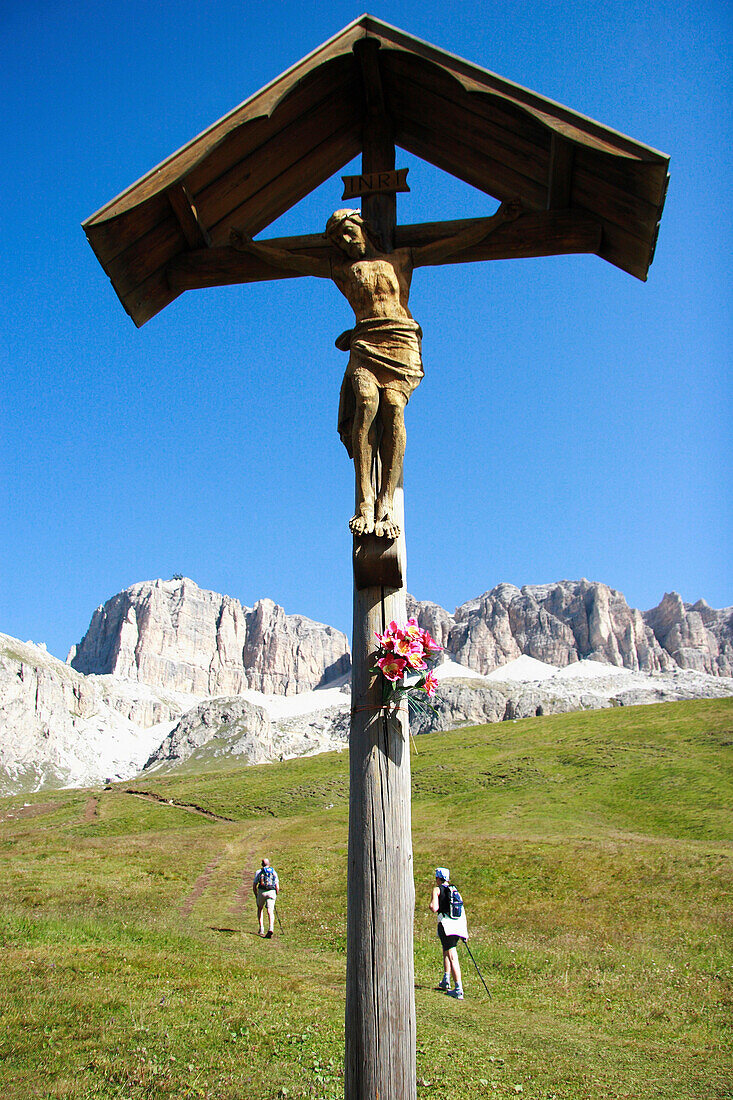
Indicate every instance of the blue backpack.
{"type": "Point", "coordinates": [267, 878]}
{"type": "Point", "coordinates": [451, 902]}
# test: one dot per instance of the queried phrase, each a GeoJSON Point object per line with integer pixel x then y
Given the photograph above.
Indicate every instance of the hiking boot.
{"type": "Point", "coordinates": [457, 993]}
{"type": "Point", "coordinates": [444, 983]}
{"type": "Point", "coordinates": [268, 936]}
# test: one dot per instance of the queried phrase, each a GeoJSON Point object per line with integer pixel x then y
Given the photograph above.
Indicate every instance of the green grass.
{"type": "Point", "coordinates": [593, 850]}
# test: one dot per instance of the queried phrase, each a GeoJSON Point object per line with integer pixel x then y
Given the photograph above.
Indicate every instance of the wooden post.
{"type": "Point", "coordinates": [380, 988]}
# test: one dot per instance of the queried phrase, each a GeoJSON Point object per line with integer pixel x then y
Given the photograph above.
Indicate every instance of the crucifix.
{"type": "Point", "coordinates": [384, 368]}
{"type": "Point", "coordinates": [385, 360]}
{"type": "Point", "coordinates": [565, 184]}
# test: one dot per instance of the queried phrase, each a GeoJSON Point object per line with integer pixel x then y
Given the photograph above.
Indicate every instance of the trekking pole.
{"type": "Point", "coordinates": [279, 921]}
{"type": "Point", "coordinates": [477, 969]}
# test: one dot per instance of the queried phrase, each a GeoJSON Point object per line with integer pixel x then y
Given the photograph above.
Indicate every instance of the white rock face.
{"type": "Point", "coordinates": [525, 688]}
{"type": "Point", "coordinates": [177, 636]}
{"type": "Point", "coordinates": [241, 730]}
{"type": "Point", "coordinates": [512, 653]}
{"type": "Point", "coordinates": [59, 728]}
{"type": "Point", "coordinates": [555, 623]}
{"type": "Point", "coordinates": [695, 635]}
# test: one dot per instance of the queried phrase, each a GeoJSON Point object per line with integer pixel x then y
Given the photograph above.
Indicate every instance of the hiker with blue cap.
{"type": "Point", "coordinates": [452, 928]}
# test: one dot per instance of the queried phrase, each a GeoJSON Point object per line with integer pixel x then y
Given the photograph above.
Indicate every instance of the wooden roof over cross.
{"type": "Point", "coordinates": [585, 187]}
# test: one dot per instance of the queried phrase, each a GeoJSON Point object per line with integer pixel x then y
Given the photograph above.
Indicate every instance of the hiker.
{"type": "Point", "coordinates": [452, 928]}
{"type": "Point", "coordinates": [266, 887]}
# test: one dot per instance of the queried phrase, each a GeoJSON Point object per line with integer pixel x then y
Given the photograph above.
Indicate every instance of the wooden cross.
{"type": "Point", "coordinates": [583, 187]}
{"type": "Point", "coordinates": [380, 1009]}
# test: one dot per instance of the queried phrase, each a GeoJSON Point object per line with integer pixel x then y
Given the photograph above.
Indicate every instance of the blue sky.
{"type": "Point", "coordinates": [573, 421]}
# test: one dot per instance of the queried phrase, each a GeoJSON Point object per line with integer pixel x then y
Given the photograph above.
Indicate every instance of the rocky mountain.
{"type": "Point", "coordinates": [526, 688]}
{"type": "Point", "coordinates": [177, 636]}
{"type": "Point", "coordinates": [169, 673]}
{"type": "Point", "coordinates": [580, 620]}
{"type": "Point", "coordinates": [253, 733]}
{"type": "Point", "coordinates": [243, 730]}
{"type": "Point", "coordinates": [695, 635]}
{"type": "Point", "coordinates": [60, 728]}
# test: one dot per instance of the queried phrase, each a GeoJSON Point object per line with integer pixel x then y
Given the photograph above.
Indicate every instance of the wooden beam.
{"type": "Point", "coordinates": [366, 51]}
{"type": "Point", "coordinates": [380, 999]}
{"type": "Point", "coordinates": [378, 148]}
{"type": "Point", "coordinates": [560, 177]}
{"type": "Point", "coordinates": [544, 234]}
{"type": "Point", "coordinates": [183, 207]}
{"type": "Point", "coordinates": [380, 1015]}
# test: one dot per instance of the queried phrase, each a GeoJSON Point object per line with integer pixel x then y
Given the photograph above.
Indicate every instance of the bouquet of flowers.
{"type": "Point", "coordinates": [406, 656]}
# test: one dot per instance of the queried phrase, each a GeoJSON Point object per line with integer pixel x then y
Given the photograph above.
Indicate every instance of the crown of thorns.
{"type": "Point", "coordinates": [340, 216]}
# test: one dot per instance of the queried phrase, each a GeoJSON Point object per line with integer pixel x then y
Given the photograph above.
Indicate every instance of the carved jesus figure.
{"type": "Point", "coordinates": [385, 360]}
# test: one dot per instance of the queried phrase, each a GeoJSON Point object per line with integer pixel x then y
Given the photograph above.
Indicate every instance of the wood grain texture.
{"type": "Point", "coordinates": [380, 989]}
{"type": "Point", "coordinates": [185, 211]}
{"type": "Point", "coordinates": [560, 173]}
{"type": "Point", "coordinates": [378, 148]}
{"type": "Point", "coordinates": [380, 993]}
{"type": "Point", "coordinates": [543, 234]}
{"type": "Point", "coordinates": [371, 79]}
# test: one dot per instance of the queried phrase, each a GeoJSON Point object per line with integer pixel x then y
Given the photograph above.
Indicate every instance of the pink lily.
{"type": "Point", "coordinates": [392, 667]}
{"type": "Point", "coordinates": [406, 644]}
{"type": "Point", "coordinates": [429, 643]}
{"type": "Point", "coordinates": [431, 684]}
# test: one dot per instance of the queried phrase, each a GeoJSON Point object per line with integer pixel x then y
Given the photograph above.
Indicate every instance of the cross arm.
{"type": "Point", "coordinates": [439, 250]}
{"type": "Point", "coordinates": [274, 255]}
{"type": "Point", "coordinates": [548, 233]}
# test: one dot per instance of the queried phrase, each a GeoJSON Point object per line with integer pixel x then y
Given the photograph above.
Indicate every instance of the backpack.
{"type": "Point", "coordinates": [267, 878]}
{"type": "Point", "coordinates": [451, 902]}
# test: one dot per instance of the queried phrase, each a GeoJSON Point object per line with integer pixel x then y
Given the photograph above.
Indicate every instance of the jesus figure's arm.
{"type": "Point", "coordinates": [438, 251]}
{"type": "Point", "coordinates": [281, 257]}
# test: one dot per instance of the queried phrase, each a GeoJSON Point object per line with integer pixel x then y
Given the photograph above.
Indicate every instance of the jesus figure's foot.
{"type": "Point", "coordinates": [363, 522]}
{"type": "Point", "coordinates": [385, 527]}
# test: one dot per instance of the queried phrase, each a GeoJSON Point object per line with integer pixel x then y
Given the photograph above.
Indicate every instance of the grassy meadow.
{"type": "Point", "coordinates": [593, 851]}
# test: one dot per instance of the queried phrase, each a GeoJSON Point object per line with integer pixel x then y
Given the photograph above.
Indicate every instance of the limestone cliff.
{"type": "Point", "coordinates": [175, 635]}
{"type": "Point", "coordinates": [696, 635]}
{"type": "Point", "coordinates": [59, 728]}
{"type": "Point", "coordinates": [556, 623]}
{"type": "Point", "coordinates": [237, 728]}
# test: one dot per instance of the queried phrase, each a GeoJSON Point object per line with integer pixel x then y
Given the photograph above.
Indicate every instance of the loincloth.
{"type": "Point", "coordinates": [390, 350]}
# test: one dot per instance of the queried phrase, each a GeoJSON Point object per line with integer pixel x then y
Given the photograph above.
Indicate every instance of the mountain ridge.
{"type": "Point", "coordinates": [124, 701]}
{"type": "Point", "coordinates": [175, 635]}
{"type": "Point", "coordinates": [568, 621]}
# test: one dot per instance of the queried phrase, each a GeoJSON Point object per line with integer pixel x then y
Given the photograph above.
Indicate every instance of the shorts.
{"type": "Point", "coordinates": [448, 941]}
{"type": "Point", "coordinates": [266, 898]}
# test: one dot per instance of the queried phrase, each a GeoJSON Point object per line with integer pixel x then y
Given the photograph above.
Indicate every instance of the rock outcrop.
{"type": "Point", "coordinates": [60, 728]}
{"type": "Point", "coordinates": [177, 636]}
{"type": "Point", "coordinates": [236, 728]}
{"type": "Point", "coordinates": [696, 635]}
{"type": "Point", "coordinates": [462, 702]}
{"type": "Point", "coordinates": [556, 623]}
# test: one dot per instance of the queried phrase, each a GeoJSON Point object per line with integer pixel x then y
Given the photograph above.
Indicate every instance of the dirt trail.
{"type": "Point", "coordinates": [90, 810]}
{"type": "Point", "coordinates": [246, 864]}
{"type": "Point", "coordinates": [244, 893]}
{"type": "Point", "coordinates": [199, 886]}
{"type": "Point", "coordinates": [191, 807]}
{"type": "Point", "coordinates": [32, 811]}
